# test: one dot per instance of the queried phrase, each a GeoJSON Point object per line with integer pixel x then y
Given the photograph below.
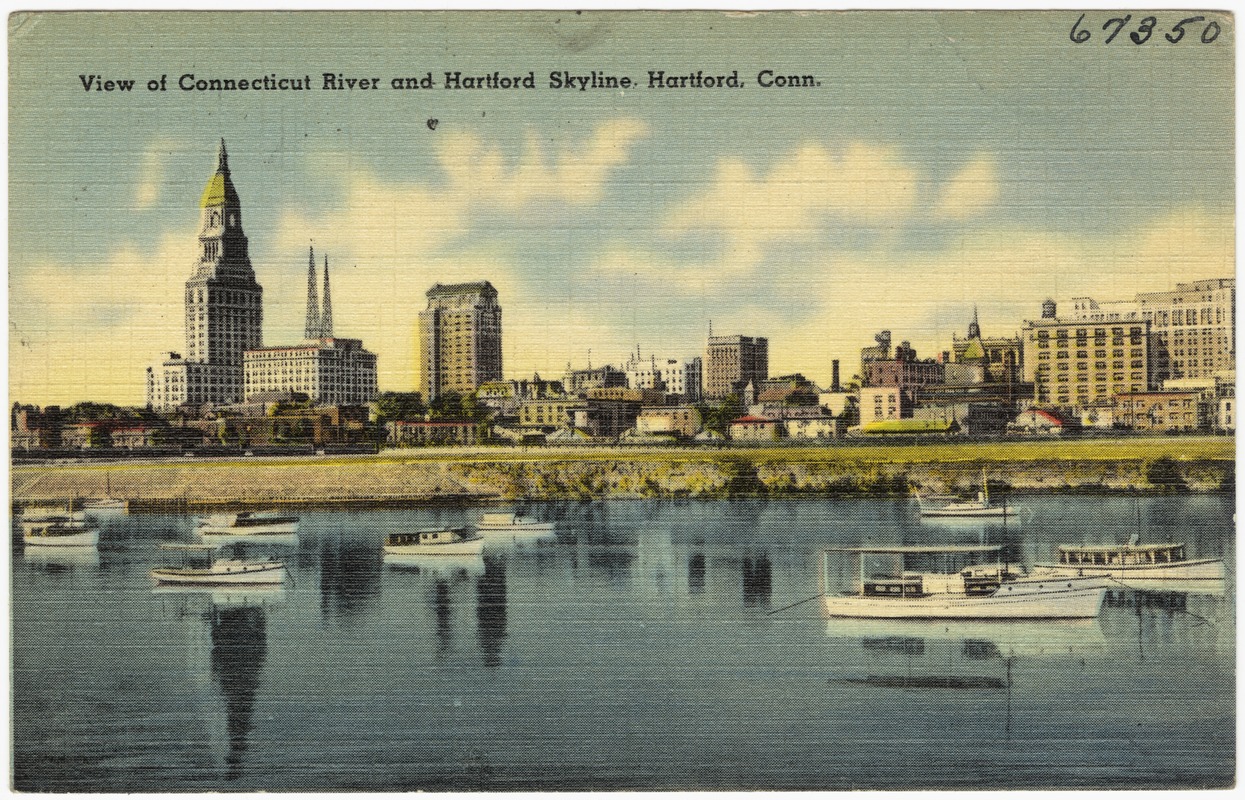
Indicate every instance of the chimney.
{"type": "Point", "coordinates": [834, 376]}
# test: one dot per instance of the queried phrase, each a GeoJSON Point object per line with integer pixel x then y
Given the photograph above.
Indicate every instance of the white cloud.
{"type": "Point", "coordinates": [972, 191]}
{"type": "Point", "coordinates": [151, 174]}
{"type": "Point", "coordinates": [79, 332]}
{"type": "Point", "coordinates": [797, 198]}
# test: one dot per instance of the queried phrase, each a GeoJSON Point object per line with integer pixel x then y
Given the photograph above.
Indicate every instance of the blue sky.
{"type": "Point", "coordinates": [944, 161]}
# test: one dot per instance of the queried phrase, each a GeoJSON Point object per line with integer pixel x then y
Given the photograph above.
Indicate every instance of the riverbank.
{"type": "Point", "coordinates": [398, 477]}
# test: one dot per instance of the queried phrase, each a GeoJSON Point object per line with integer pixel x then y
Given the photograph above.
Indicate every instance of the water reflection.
{"type": "Point", "coordinates": [757, 580]}
{"type": "Point", "coordinates": [62, 560]}
{"type": "Point", "coordinates": [696, 573]}
{"type": "Point", "coordinates": [239, 649]}
{"type": "Point", "coordinates": [491, 611]}
{"type": "Point", "coordinates": [349, 576]}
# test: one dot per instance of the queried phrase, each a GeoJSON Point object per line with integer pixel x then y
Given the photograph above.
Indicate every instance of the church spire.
{"type": "Point", "coordinates": [222, 159]}
{"type": "Point", "coordinates": [311, 330]}
{"type": "Point", "coordinates": [974, 330]}
{"type": "Point", "coordinates": [326, 312]}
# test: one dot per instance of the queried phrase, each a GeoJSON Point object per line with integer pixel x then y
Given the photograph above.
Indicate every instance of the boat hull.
{"type": "Point", "coordinates": [87, 537]}
{"type": "Point", "coordinates": [250, 574]}
{"type": "Point", "coordinates": [266, 529]}
{"type": "Point", "coordinates": [469, 547]}
{"type": "Point", "coordinates": [1054, 598]}
{"type": "Point", "coordinates": [992, 511]}
{"type": "Point", "coordinates": [1205, 569]}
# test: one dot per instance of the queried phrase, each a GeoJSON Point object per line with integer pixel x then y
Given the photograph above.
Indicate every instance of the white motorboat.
{"type": "Point", "coordinates": [200, 566]}
{"type": "Point", "coordinates": [1132, 561]}
{"type": "Point", "coordinates": [950, 506]}
{"type": "Point", "coordinates": [41, 516]}
{"type": "Point", "coordinates": [434, 542]}
{"type": "Point", "coordinates": [248, 523]}
{"type": "Point", "coordinates": [508, 522]}
{"type": "Point", "coordinates": [59, 531]}
{"type": "Point", "coordinates": [979, 591]}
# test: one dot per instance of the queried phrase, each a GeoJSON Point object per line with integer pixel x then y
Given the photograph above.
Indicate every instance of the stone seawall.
{"type": "Point", "coordinates": [390, 479]}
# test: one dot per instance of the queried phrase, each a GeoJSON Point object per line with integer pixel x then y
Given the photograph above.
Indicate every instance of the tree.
{"type": "Point", "coordinates": [400, 406]}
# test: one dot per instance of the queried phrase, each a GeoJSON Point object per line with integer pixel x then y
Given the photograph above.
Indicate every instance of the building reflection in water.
{"type": "Point", "coordinates": [491, 610]}
{"type": "Point", "coordinates": [445, 633]}
{"type": "Point", "coordinates": [758, 580]}
{"type": "Point", "coordinates": [696, 573]}
{"type": "Point", "coordinates": [349, 577]}
{"type": "Point", "coordinates": [239, 648]}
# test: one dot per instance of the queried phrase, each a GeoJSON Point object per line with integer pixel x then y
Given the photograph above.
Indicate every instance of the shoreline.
{"type": "Point", "coordinates": [397, 478]}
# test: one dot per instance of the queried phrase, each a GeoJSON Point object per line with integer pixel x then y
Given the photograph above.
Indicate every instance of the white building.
{"type": "Point", "coordinates": [329, 371]}
{"type": "Point", "coordinates": [670, 375]}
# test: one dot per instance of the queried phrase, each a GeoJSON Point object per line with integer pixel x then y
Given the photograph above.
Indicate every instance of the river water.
{"type": "Point", "coordinates": [649, 644]}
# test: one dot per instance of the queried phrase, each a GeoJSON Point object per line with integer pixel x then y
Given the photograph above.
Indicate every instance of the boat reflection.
{"type": "Point", "coordinates": [224, 539]}
{"type": "Point", "coordinates": [228, 596]}
{"type": "Point", "coordinates": [450, 566]}
{"type": "Point", "coordinates": [1004, 637]}
{"type": "Point", "coordinates": [62, 559]}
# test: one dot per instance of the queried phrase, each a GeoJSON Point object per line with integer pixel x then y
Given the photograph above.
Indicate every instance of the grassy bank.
{"type": "Point", "coordinates": [422, 475]}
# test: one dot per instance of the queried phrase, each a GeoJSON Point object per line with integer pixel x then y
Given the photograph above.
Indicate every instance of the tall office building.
{"type": "Point", "coordinates": [732, 362]}
{"type": "Point", "coordinates": [459, 338]}
{"type": "Point", "coordinates": [224, 307]}
{"type": "Point", "coordinates": [1077, 362]}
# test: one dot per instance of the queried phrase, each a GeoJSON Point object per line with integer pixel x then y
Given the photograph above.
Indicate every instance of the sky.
{"type": "Point", "coordinates": [941, 162]}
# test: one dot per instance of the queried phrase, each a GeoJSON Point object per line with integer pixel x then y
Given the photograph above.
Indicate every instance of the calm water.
{"type": "Point", "coordinates": [646, 645]}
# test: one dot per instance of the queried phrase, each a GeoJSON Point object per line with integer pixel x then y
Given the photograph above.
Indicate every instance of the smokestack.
{"type": "Point", "coordinates": [834, 376]}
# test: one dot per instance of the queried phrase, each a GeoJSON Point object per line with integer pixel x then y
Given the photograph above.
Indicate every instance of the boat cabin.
{"type": "Point", "coordinates": [1120, 555]}
{"type": "Point", "coordinates": [429, 537]}
{"type": "Point", "coordinates": [942, 570]}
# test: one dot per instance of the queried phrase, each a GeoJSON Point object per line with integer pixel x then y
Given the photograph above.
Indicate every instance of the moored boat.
{"type": "Point", "coordinates": [248, 523]}
{"type": "Point", "coordinates": [1147, 562]}
{"type": "Point", "coordinates": [59, 533]}
{"type": "Point", "coordinates": [106, 504]}
{"type": "Point", "coordinates": [201, 567]}
{"type": "Point", "coordinates": [950, 506]}
{"type": "Point", "coordinates": [977, 591]}
{"type": "Point", "coordinates": [434, 542]}
{"type": "Point", "coordinates": [41, 516]}
{"type": "Point", "coordinates": [509, 522]}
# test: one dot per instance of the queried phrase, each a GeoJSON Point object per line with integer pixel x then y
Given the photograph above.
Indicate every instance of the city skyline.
{"type": "Point", "coordinates": [900, 194]}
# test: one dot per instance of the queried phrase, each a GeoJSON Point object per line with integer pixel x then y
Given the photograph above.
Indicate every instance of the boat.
{"type": "Point", "coordinates": [107, 502]}
{"type": "Point", "coordinates": [41, 516]}
{"type": "Point", "coordinates": [200, 566]}
{"type": "Point", "coordinates": [248, 523]}
{"type": "Point", "coordinates": [59, 533]}
{"type": "Point", "coordinates": [974, 591]}
{"type": "Point", "coordinates": [509, 522]}
{"type": "Point", "coordinates": [434, 542]}
{"type": "Point", "coordinates": [1133, 561]}
{"type": "Point", "coordinates": [951, 506]}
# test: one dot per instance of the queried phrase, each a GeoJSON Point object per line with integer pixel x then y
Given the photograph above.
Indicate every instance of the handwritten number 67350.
{"type": "Point", "coordinates": [1145, 29]}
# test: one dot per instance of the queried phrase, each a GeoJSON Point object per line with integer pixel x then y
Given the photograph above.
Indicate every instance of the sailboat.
{"type": "Point", "coordinates": [107, 502]}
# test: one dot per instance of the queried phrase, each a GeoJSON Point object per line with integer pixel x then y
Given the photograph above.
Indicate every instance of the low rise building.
{"type": "Point", "coordinates": [681, 421]}
{"type": "Point", "coordinates": [752, 428]}
{"type": "Point", "coordinates": [1175, 410]}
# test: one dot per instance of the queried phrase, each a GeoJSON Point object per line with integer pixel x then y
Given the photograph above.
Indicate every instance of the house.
{"type": "Point", "coordinates": [752, 428]}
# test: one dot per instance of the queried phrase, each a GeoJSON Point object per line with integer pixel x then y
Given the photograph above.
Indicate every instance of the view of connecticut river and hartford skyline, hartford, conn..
{"type": "Point", "coordinates": [538, 401]}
